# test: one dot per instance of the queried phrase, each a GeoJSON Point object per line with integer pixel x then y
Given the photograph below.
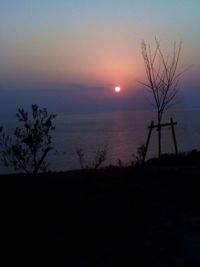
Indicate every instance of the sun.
{"type": "Point", "coordinates": [117, 89]}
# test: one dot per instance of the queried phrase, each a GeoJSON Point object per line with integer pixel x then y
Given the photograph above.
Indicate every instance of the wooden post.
{"type": "Point", "coordinates": [147, 143]}
{"type": "Point", "coordinates": [174, 136]}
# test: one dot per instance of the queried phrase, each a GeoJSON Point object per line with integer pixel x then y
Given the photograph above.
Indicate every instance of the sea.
{"type": "Point", "coordinates": [119, 133]}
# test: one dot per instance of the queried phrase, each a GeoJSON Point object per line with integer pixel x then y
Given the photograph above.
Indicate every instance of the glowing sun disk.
{"type": "Point", "coordinates": [117, 89]}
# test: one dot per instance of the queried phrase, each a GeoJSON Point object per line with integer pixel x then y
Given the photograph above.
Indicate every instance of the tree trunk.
{"type": "Point", "coordinates": [37, 167]}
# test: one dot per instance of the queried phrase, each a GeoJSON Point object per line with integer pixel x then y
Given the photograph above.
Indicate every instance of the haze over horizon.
{"type": "Point", "coordinates": [69, 55]}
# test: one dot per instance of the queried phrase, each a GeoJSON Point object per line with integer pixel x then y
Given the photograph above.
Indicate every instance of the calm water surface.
{"type": "Point", "coordinates": [121, 132]}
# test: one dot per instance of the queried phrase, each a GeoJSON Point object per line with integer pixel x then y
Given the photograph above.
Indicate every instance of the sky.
{"type": "Point", "coordinates": [68, 55]}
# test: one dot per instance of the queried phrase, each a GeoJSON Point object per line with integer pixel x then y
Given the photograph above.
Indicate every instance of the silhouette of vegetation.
{"type": "Point", "coordinates": [81, 155]}
{"type": "Point", "coordinates": [184, 159]}
{"type": "Point", "coordinates": [138, 158]}
{"type": "Point", "coordinates": [162, 78]}
{"type": "Point", "coordinates": [153, 210]}
{"type": "Point", "coordinates": [120, 163]}
{"type": "Point", "coordinates": [31, 142]}
{"type": "Point", "coordinates": [100, 157]}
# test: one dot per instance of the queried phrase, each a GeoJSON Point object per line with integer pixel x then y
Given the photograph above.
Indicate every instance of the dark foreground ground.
{"type": "Point", "coordinates": [141, 216]}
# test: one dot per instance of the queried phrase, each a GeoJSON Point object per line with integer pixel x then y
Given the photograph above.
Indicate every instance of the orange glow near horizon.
{"type": "Point", "coordinates": [65, 62]}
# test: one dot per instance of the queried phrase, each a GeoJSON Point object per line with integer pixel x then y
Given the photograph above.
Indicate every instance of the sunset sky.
{"type": "Point", "coordinates": [69, 54]}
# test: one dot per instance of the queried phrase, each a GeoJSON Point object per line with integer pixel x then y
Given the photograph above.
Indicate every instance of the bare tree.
{"type": "Point", "coordinates": [162, 78]}
{"type": "Point", "coordinates": [100, 157]}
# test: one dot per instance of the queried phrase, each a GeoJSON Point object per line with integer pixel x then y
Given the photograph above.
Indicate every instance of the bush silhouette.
{"type": "Point", "coordinates": [100, 157]}
{"type": "Point", "coordinates": [31, 142]}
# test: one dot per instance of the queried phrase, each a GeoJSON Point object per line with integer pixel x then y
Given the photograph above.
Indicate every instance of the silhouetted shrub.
{"type": "Point", "coordinates": [31, 142]}
{"type": "Point", "coordinates": [80, 154]}
{"type": "Point", "coordinates": [139, 155]}
{"type": "Point", "coordinates": [100, 157]}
